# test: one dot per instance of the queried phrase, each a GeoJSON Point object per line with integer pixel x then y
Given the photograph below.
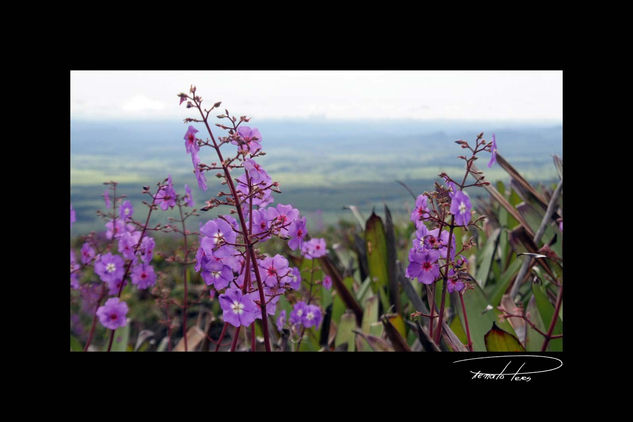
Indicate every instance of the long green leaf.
{"type": "Point", "coordinates": [345, 336]}
{"type": "Point", "coordinates": [377, 257]}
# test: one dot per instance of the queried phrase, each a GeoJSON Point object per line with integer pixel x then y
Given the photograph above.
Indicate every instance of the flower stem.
{"type": "Point", "coordinates": [247, 241]}
{"type": "Point", "coordinates": [94, 319]}
{"type": "Point", "coordinates": [470, 342]}
{"type": "Point", "coordinates": [559, 301]}
{"type": "Point", "coordinates": [184, 304]}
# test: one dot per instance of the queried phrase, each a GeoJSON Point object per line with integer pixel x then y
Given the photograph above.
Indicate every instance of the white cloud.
{"type": "Point", "coordinates": [334, 94]}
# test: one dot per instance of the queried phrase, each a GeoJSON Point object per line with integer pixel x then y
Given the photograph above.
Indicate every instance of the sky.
{"type": "Point", "coordinates": [423, 95]}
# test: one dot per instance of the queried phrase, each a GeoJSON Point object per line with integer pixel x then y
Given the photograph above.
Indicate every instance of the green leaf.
{"type": "Point", "coordinates": [345, 334]}
{"type": "Point", "coordinates": [546, 310]}
{"type": "Point", "coordinates": [121, 338]}
{"type": "Point", "coordinates": [479, 317]}
{"type": "Point", "coordinates": [486, 256]}
{"type": "Point", "coordinates": [338, 305]}
{"type": "Point", "coordinates": [458, 329]}
{"type": "Point", "coordinates": [370, 313]}
{"type": "Point", "coordinates": [534, 340]}
{"type": "Point", "coordinates": [498, 340]}
{"type": "Point", "coordinates": [377, 258]}
{"type": "Point", "coordinates": [75, 346]}
{"type": "Point", "coordinates": [504, 281]}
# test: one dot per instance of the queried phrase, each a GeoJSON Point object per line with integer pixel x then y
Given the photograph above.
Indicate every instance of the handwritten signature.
{"type": "Point", "coordinates": [514, 361]}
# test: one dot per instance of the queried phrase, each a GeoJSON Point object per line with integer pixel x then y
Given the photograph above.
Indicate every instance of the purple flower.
{"type": "Point", "coordinates": [87, 253]}
{"type": "Point", "coordinates": [216, 233]}
{"type": "Point", "coordinates": [119, 228]}
{"type": "Point", "coordinates": [166, 196]}
{"type": "Point", "coordinates": [306, 315]}
{"type": "Point", "coordinates": [298, 313]}
{"type": "Point", "coordinates": [314, 248]}
{"type": "Point", "coordinates": [454, 284]}
{"type": "Point", "coordinates": [127, 243]}
{"type": "Point", "coordinates": [112, 314]}
{"type": "Point", "coordinates": [281, 320]}
{"type": "Point", "coordinates": [460, 208]}
{"type": "Point", "coordinates": [420, 212]}
{"type": "Point", "coordinates": [261, 224]}
{"type": "Point", "coordinates": [238, 309]}
{"type": "Point", "coordinates": [200, 177]}
{"type": "Point", "coordinates": [256, 172]}
{"type": "Point", "coordinates": [188, 197]}
{"type": "Point", "coordinates": [327, 282]}
{"type": "Point", "coordinates": [423, 266]}
{"type": "Point", "coordinates": [273, 269]}
{"type": "Point", "coordinates": [74, 268]}
{"type": "Point", "coordinates": [270, 296]}
{"type": "Point", "coordinates": [419, 243]}
{"type": "Point", "coordinates": [217, 274]}
{"type": "Point", "coordinates": [493, 149]}
{"type": "Point", "coordinates": [312, 316]}
{"type": "Point", "coordinates": [126, 210]}
{"type": "Point", "coordinates": [109, 268]}
{"type": "Point", "coordinates": [250, 139]}
{"type": "Point", "coordinates": [261, 198]}
{"type": "Point", "coordinates": [146, 249]}
{"type": "Point", "coordinates": [190, 140]}
{"type": "Point", "coordinates": [143, 276]}
{"type": "Point", "coordinates": [297, 231]}
{"type": "Point", "coordinates": [439, 242]}
{"type": "Point", "coordinates": [294, 277]}
{"type": "Point", "coordinates": [283, 216]}
{"type": "Point", "coordinates": [106, 198]}
{"type": "Point", "coordinates": [72, 215]}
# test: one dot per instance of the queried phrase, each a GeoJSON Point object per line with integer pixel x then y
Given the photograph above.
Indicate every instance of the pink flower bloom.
{"type": "Point", "coordinates": [112, 314]}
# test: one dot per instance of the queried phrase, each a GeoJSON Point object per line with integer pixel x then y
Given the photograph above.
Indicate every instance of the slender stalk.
{"type": "Point", "coordinates": [548, 337]}
{"type": "Point", "coordinates": [470, 342]}
{"type": "Point", "coordinates": [224, 327]}
{"type": "Point", "coordinates": [247, 241]}
{"type": "Point", "coordinates": [94, 319]}
{"type": "Point", "coordinates": [438, 334]}
{"type": "Point", "coordinates": [235, 337]}
{"type": "Point", "coordinates": [184, 305]}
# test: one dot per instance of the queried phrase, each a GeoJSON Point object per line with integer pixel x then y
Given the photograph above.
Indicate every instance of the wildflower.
{"type": "Point", "coordinates": [297, 231]}
{"type": "Point", "coordinates": [249, 139]}
{"type": "Point", "coordinates": [166, 195]}
{"type": "Point", "coordinates": [460, 208]}
{"type": "Point", "coordinates": [312, 317]}
{"type": "Point", "coordinates": [188, 197]}
{"type": "Point", "coordinates": [493, 149]}
{"type": "Point", "coordinates": [112, 315]}
{"type": "Point", "coordinates": [327, 282]}
{"type": "Point", "coordinates": [109, 267]}
{"type": "Point", "coordinates": [281, 320]}
{"type": "Point", "coordinates": [283, 216]}
{"type": "Point", "coordinates": [294, 277]}
{"type": "Point", "coordinates": [238, 309]}
{"type": "Point", "coordinates": [126, 210]}
{"type": "Point", "coordinates": [128, 242]}
{"type": "Point", "coordinates": [255, 172]}
{"type": "Point", "coordinates": [143, 276]}
{"type": "Point", "coordinates": [273, 269]}
{"type": "Point", "coordinates": [74, 267]}
{"type": "Point", "coordinates": [423, 266]}
{"type": "Point", "coordinates": [314, 248]}
{"type": "Point", "coordinates": [298, 312]}
{"type": "Point", "coordinates": [217, 274]}
{"type": "Point", "coordinates": [454, 284]}
{"type": "Point", "coordinates": [420, 212]}
{"type": "Point", "coordinates": [190, 140]}
{"type": "Point", "coordinates": [87, 253]}
{"type": "Point", "coordinates": [146, 249]}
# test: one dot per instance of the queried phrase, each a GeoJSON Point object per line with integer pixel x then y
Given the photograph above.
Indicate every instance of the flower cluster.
{"type": "Point", "coordinates": [226, 258]}
{"type": "Point", "coordinates": [431, 246]}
